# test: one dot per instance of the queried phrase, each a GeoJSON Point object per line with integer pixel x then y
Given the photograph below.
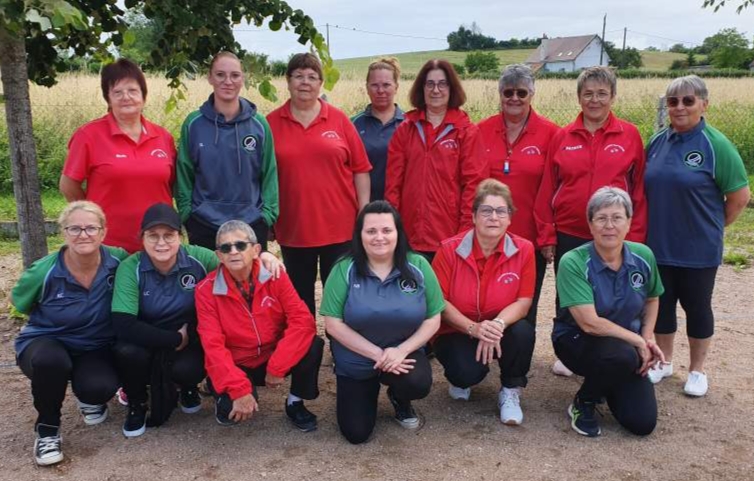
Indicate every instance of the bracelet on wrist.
{"type": "Point", "coordinates": [470, 328]}
{"type": "Point", "coordinates": [500, 321]}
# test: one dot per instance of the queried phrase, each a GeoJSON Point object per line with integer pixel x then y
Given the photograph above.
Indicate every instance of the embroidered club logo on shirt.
{"type": "Point", "coordinates": [249, 143]}
{"type": "Point", "coordinates": [450, 144]}
{"type": "Point", "coordinates": [330, 134]}
{"type": "Point", "coordinates": [188, 282]}
{"type": "Point", "coordinates": [508, 277]}
{"type": "Point", "coordinates": [267, 301]}
{"type": "Point", "coordinates": [407, 286]}
{"type": "Point", "coordinates": [531, 150]}
{"type": "Point", "coordinates": [614, 148]}
{"type": "Point", "coordinates": [694, 159]}
{"type": "Point", "coordinates": [159, 153]}
{"type": "Point", "coordinates": [637, 281]}
{"type": "Point", "coordinates": [110, 281]}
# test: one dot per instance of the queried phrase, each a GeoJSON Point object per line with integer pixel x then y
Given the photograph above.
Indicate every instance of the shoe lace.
{"type": "Point", "coordinates": [511, 399]}
{"type": "Point", "coordinates": [49, 444]}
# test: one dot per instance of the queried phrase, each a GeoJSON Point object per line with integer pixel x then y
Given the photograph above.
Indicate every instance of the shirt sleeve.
{"type": "Point", "coordinates": [78, 161]}
{"type": "Point", "coordinates": [30, 286]}
{"type": "Point", "coordinates": [126, 289]}
{"type": "Point", "coordinates": [528, 273]}
{"type": "Point", "coordinates": [206, 257]}
{"type": "Point", "coordinates": [474, 169]}
{"type": "Point", "coordinates": [543, 214]}
{"type": "Point", "coordinates": [574, 288]}
{"type": "Point", "coordinates": [443, 269]}
{"type": "Point", "coordinates": [396, 165]}
{"type": "Point", "coordinates": [433, 293]}
{"type": "Point", "coordinates": [359, 161]}
{"type": "Point", "coordinates": [654, 286]}
{"type": "Point", "coordinates": [638, 232]}
{"type": "Point", "coordinates": [730, 173]}
{"type": "Point", "coordinates": [270, 193]}
{"type": "Point", "coordinates": [336, 290]}
{"type": "Point", "coordinates": [184, 185]}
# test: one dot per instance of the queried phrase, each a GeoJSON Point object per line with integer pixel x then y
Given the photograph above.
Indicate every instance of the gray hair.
{"type": "Point", "coordinates": [692, 83]}
{"type": "Point", "coordinates": [233, 226]}
{"type": "Point", "coordinates": [515, 75]}
{"type": "Point", "coordinates": [600, 75]}
{"type": "Point", "coordinates": [607, 197]}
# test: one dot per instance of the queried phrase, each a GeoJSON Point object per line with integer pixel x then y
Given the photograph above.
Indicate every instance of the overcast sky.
{"type": "Point", "coordinates": [659, 23]}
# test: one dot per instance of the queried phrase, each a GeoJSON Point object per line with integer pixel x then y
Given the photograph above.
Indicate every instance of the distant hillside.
{"type": "Point", "coordinates": [412, 61]}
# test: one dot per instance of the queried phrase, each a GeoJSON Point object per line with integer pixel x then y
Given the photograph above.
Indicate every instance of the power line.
{"type": "Point", "coordinates": [354, 29]}
{"type": "Point", "coordinates": [663, 38]}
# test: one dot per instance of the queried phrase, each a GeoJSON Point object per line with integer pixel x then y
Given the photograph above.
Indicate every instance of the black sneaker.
{"type": "Point", "coordinates": [47, 445]}
{"type": "Point", "coordinates": [190, 401]}
{"type": "Point", "coordinates": [223, 407]}
{"type": "Point", "coordinates": [136, 420]}
{"type": "Point", "coordinates": [301, 417]}
{"type": "Point", "coordinates": [584, 418]}
{"type": "Point", "coordinates": [405, 414]}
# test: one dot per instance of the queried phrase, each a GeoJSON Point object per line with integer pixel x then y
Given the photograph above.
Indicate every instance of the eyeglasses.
{"type": "Point", "coordinates": [600, 96]}
{"type": "Point", "coordinates": [235, 77]}
{"type": "Point", "coordinates": [487, 210]}
{"type": "Point", "coordinates": [520, 93]}
{"type": "Point", "coordinates": [240, 246]}
{"type": "Point", "coordinates": [442, 85]}
{"type": "Point", "coordinates": [76, 230]}
{"type": "Point", "coordinates": [169, 238]}
{"type": "Point", "coordinates": [686, 100]}
{"type": "Point", "coordinates": [312, 79]}
{"type": "Point", "coordinates": [121, 94]}
{"type": "Point", "coordinates": [616, 220]}
{"type": "Point", "coordinates": [381, 86]}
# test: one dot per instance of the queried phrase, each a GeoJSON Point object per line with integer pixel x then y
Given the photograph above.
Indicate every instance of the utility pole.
{"type": "Point", "coordinates": [602, 48]}
{"type": "Point", "coordinates": [327, 26]}
{"type": "Point", "coordinates": [624, 38]}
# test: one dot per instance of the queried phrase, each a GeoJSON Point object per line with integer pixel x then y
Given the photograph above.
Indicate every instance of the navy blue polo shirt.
{"type": "Point", "coordinates": [376, 138]}
{"type": "Point", "coordinates": [386, 313]}
{"type": "Point", "coordinates": [686, 179]}
{"type": "Point", "coordinates": [162, 300]}
{"type": "Point", "coordinates": [619, 296]}
{"type": "Point", "coordinates": [61, 308]}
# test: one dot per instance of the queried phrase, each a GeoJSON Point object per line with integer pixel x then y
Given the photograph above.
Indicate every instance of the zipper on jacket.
{"type": "Point", "coordinates": [256, 331]}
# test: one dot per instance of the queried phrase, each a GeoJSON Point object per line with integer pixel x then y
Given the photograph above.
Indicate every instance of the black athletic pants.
{"type": "Point", "coordinates": [49, 365]}
{"type": "Point", "coordinates": [609, 368]}
{"type": "Point", "coordinates": [693, 288]}
{"type": "Point", "coordinates": [205, 236]}
{"type": "Point", "coordinates": [135, 368]}
{"type": "Point", "coordinates": [357, 399]}
{"type": "Point", "coordinates": [301, 263]}
{"type": "Point", "coordinates": [531, 316]}
{"type": "Point", "coordinates": [457, 354]}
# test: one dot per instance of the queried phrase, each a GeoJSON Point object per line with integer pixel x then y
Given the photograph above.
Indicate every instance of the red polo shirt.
{"type": "Point", "coordinates": [122, 176]}
{"type": "Point", "coordinates": [519, 165]}
{"type": "Point", "coordinates": [316, 165]}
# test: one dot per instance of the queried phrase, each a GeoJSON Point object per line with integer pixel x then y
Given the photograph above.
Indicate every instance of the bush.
{"type": "Point", "coordinates": [482, 62]}
{"type": "Point", "coordinates": [278, 68]}
{"type": "Point", "coordinates": [460, 69]}
{"type": "Point", "coordinates": [679, 64]}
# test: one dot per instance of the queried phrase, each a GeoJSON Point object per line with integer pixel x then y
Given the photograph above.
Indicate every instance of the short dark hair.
{"type": "Point", "coordinates": [402, 248]}
{"type": "Point", "coordinates": [457, 94]}
{"type": "Point", "coordinates": [304, 61]}
{"type": "Point", "coordinates": [121, 69]}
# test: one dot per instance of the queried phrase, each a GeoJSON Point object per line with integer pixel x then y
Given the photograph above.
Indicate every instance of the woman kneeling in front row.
{"type": "Point", "coordinates": [381, 305]}
{"type": "Point", "coordinates": [609, 295]}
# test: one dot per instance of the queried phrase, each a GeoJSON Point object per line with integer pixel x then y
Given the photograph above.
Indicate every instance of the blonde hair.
{"type": "Point", "coordinates": [386, 63]}
{"type": "Point", "coordinates": [223, 54]}
{"type": "Point", "coordinates": [86, 206]}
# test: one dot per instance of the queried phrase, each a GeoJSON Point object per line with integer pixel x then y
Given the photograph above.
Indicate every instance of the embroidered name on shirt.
{"type": "Point", "coordinates": [121, 156]}
{"type": "Point", "coordinates": [573, 147]}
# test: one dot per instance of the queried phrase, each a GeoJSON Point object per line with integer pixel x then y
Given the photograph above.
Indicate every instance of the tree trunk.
{"type": "Point", "coordinates": [23, 151]}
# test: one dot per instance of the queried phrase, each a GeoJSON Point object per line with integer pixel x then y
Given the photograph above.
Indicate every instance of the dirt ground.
{"type": "Point", "coordinates": [696, 439]}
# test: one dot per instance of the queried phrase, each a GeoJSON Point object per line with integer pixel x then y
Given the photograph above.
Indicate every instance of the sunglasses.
{"type": "Point", "coordinates": [240, 246]}
{"type": "Point", "coordinates": [687, 100]}
{"type": "Point", "coordinates": [520, 93]}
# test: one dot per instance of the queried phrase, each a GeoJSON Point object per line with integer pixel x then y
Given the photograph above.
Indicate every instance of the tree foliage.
{"type": "Point", "coordinates": [466, 39]}
{"type": "Point", "coordinates": [718, 4]}
{"type": "Point", "coordinates": [623, 59]}
{"type": "Point", "coordinates": [728, 48]}
{"type": "Point", "coordinates": [481, 62]}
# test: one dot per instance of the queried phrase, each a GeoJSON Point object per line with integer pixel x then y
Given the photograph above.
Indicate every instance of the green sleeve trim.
{"type": "Point", "coordinates": [730, 173]}
{"type": "Point", "coordinates": [270, 195]}
{"type": "Point", "coordinates": [29, 289]}
{"type": "Point", "coordinates": [126, 291]}
{"type": "Point", "coordinates": [117, 252]}
{"type": "Point", "coordinates": [654, 286]}
{"type": "Point", "coordinates": [573, 284]}
{"type": "Point", "coordinates": [357, 116]}
{"type": "Point", "coordinates": [184, 170]}
{"type": "Point", "coordinates": [432, 290]}
{"type": "Point", "coordinates": [336, 290]}
{"type": "Point", "coordinates": [206, 257]}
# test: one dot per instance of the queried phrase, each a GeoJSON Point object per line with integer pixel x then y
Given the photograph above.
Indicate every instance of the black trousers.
{"type": "Point", "coordinates": [49, 365]}
{"type": "Point", "coordinates": [356, 403]}
{"type": "Point", "coordinates": [304, 376]}
{"type": "Point", "coordinates": [301, 263]}
{"type": "Point", "coordinates": [566, 243]}
{"type": "Point", "coordinates": [693, 288]}
{"type": "Point", "coordinates": [457, 354]}
{"type": "Point", "coordinates": [531, 316]}
{"type": "Point", "coordinates": [135, 366]}
{"type": "Point", "coordinates": [609, 368]}
{"type": "Point", "coordinates": [202, 235]}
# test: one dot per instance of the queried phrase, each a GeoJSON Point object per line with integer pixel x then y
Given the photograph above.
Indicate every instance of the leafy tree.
{"type": "Point", "coordinates": [690, 58]}
{"type": "Point", "coordinates": [471, 38]}
{"type": "Point", "coordinates": [143, 35]}
{"type": "Point", "coordinates": [718, 4]}
{"type": "Point", "coordinates": [728, 48]}
{"type": "Point", "coordinates": [459, 68]}
{"type": "Point", "coordinates": [623, 59]}
{"type": "Point", "coordinates": [481, 62]}
{"type": "Point", "coordinates": [652, 48]}
{"type": "Point", "coordinates": [678, 48]}
{"type": "Point", "coordinates": [34, 33]}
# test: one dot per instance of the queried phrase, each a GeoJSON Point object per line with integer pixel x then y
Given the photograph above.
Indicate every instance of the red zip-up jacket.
{"type": "Point", "coordinates": [508, 276]}
{"type": "Point", "coordinates": [578, 163]}
{"type": "Point", "coordinates": [278, 329]}
{"type": "Point", "coordinates": [432, 175]}
{"type": "Point", "coordinates": [520, 165]}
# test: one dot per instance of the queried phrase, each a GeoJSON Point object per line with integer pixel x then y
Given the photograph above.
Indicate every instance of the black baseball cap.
{"type": "Point", "coordinates": [161, 214]}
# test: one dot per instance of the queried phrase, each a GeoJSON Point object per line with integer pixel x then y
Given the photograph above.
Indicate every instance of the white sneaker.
{"type": "Point", "coordinates": [93, 413]}
{"type": "Point", "coordinates": [660, 371]}
{"type": "Point", "coordinates": [510, 406]}
{"type": "Point", "coordinates": [696, 385]}
{"type": "Point", "coordinates": [559, 369]}
{"type": "Point", "coordinates": [459, 393]}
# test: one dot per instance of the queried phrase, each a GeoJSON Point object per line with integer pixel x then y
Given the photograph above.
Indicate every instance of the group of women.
{"type": "Point", "coordinates": [446, 261]}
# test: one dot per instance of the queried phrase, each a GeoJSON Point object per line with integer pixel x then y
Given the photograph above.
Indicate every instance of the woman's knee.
{"type": "Point", "coordinates": [640, 425]}
{"type": "Point", "coordinates": [356, 434]}
{"type": "Point", "coordinates": [131, 355]}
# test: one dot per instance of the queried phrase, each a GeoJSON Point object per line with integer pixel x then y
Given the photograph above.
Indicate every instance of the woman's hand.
{"type": "Point", "coordinates": [486, 352]}
{"type": "Point", "coordinates": [272, 264]}
{"type": "Point", "coordinates": [489, 331]}
{"type": "Point", "coordinates": [656, 355]}
{"type": "Point", "coordinates": [394, 360]}
{"type": "Point", "coordinates": [243, 408]}
{"type": "Point", "coordinates": [273, 381]}
{"type": "Point", "coordinates": [548, 252]}
{"type": "Point", "coordinates": [183, 331]}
